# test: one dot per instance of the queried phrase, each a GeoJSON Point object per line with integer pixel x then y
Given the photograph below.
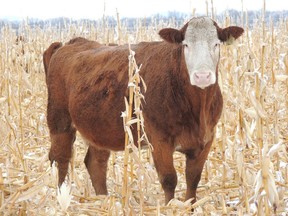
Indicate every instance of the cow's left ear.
{"type": "Point", "coordinates": [171, 35]}
{"type": "Point", "coordinates": [230, 34]}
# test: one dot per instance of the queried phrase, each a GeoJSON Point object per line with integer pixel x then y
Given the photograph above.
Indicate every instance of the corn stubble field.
{"type": "Point", "coordinates": [247, 169]}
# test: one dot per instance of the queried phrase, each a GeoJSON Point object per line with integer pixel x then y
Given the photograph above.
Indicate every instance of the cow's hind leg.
{"type": "Point", "coordinates": [194, 167]}
{"type": "Point", "coordinates": [62, 135]}
{"type": "Point", "coordinates": [96, 164]}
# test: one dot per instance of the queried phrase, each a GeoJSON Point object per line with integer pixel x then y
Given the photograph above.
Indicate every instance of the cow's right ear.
{"type": "Point", "coordinates": [171, 35]}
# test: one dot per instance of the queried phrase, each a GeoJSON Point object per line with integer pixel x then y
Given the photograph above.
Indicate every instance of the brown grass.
{"type": "Point", "coordinates": [246, 172]}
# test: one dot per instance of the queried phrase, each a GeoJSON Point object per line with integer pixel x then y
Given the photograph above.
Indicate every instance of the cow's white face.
{"type": "Point", "coordinates": [201, 38]}
{"type": "Point", "coordinates": [201, 51]}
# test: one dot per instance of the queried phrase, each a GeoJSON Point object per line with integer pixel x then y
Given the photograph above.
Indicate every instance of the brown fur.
{"type": "Point", "coordinates": [226, 33]}
{"type": "Point", "coordinates": [86, 84]}
{"type": "Point", "coordinates": [48, 53]}
{"type": "Point", "coordinates": [173, 35]}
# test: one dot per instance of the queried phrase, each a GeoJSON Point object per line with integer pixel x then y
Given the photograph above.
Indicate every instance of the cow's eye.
{"type": "Point", "coordinates": [185, 45]}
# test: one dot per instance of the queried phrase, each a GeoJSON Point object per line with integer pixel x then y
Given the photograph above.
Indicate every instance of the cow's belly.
{"type": "Point", "coordinates": [97, 116]}
{"type": "Point", "coordinates": [106, 139]}
{"type": "Point", "coordinates": [106, 133]}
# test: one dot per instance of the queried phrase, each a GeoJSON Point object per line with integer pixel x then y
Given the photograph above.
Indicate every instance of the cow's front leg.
{"type": "Point", "coordinates": [194, 167]}
{"type": "Point", "coordinates": [163, 160]}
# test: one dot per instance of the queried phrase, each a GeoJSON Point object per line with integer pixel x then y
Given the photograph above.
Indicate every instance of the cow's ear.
{"type": "Point", "coordinates": [230, 34]}
{"type": "Point", "coordinates": [171, 35]}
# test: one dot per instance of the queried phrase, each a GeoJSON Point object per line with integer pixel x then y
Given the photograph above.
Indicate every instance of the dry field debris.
{"type": "Point", "coordinates": [247, 169]}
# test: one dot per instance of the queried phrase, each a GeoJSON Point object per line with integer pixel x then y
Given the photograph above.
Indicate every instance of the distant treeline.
{"type": "Point", "coordinates": [254, 18]}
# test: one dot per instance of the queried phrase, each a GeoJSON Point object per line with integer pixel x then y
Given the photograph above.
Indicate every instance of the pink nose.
{"type": "Point", "coordinates": [202, 78]}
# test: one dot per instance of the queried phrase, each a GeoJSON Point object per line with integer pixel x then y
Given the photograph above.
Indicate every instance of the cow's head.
{"type": "Point", "coordinates": [201, 38]}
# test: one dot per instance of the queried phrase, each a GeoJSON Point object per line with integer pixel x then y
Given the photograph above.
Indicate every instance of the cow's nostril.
{"type": "Point", "coordinates": [202, 75]}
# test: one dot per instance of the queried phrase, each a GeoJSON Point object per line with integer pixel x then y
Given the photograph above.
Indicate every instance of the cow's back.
{"type": "Point", "coordinates": [59, 67]}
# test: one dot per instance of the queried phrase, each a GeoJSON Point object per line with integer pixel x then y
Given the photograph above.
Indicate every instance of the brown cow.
{"type": "Point", "coordinates": [87, 82]}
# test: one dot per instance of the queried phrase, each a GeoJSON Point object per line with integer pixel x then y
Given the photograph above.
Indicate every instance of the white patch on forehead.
{"type": "Point", "coordinates": [201, 29]}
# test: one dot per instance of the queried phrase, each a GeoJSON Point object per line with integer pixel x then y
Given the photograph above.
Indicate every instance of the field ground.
{"type": "Point", "coordinates": [247, 169]}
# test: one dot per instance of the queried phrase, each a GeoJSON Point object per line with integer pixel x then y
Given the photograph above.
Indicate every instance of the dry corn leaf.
{"type": "Point", "coordinates": [240, 163]}
{"type": "Point", "coordinates": [2, 99]}
{"type": "Point", "coordinates": [251, 112]}
{"type": "Point", "coordinates": [275, 148]}
{"type": "Point", "coordinates": [30, 193]}
{"type": "Point", "coordinates": [265, 180]}
{"type": "Point", "coordinates": [64, 196]}
{"type": "Point", "coordinates": [281, 78]}
{"type": "Point", "coordinates": [132, 121]}
{"type": "Point", "coordinates": [256, 104]}
{"type": "Point", "coordinates": [179, 204]}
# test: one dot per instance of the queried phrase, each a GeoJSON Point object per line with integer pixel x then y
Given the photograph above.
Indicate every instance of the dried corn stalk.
{"type": "Point", "coordinates": [134, 105]}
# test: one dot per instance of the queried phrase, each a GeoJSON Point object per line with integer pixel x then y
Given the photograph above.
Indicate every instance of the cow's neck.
{"type": "Point", "coordinates": [204, 110]}
{"type": "Point", "coordinates": [201, 110]}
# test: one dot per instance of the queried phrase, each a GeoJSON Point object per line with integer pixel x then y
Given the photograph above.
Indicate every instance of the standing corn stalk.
{"type": "Point", "coordinates": [134, 101]}
{"type": "Point", "coordinates": [264, 180]}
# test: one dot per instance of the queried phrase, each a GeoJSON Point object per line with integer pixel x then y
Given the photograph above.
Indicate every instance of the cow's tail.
{"type": "Point", "coordinates": [48, 54]}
